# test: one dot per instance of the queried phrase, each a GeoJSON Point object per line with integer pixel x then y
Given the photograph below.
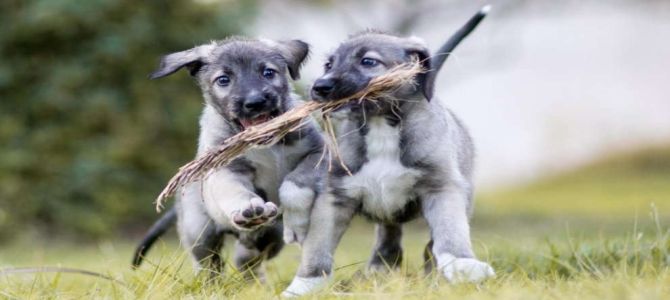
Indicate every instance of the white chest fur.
{"type": "Point", "coordinates": [383, 183]}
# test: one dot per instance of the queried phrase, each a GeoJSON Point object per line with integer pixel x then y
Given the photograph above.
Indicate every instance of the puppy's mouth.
{"type": "Point", "coordinates": [344, 89]}
{"type": "Point", "coordinates": [256, 120]}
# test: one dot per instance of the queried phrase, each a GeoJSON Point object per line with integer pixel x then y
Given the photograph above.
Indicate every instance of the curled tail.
{"type": "Point", "coordinates": [442, 54]}
{"type": "Point", "coordinates": [157, 229]}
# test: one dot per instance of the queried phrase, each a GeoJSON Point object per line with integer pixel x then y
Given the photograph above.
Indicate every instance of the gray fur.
{"type": "Point", "coordinates": [409, 157]}
{"type": "Point", "coordinates": [242, 198]}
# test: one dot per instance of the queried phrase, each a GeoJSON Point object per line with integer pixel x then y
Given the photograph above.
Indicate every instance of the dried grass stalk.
{"type": "Point", "coordinates": [272, 131]}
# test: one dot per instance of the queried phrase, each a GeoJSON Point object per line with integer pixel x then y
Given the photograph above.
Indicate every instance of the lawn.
{"type": "Point", "coordinates": [600, 232]}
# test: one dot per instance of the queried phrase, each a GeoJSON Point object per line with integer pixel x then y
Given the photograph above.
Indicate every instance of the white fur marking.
{"type": "Point", "coordinates": [459, 270]}
{"type": "Point", "coordinates": [383, 182]}
{"type": "Point", "coordinates": [223, 195]}
{"type": "Point", "coordinates": [296, 203]}
{"type": "Point", "coordinates": [303, 285]}
{"type": "Point", "coordinates": [293, 196]}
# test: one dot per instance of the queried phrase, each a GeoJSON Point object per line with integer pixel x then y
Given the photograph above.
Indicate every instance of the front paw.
{"type": "Point", "coordinates": [254, 214]}
{"type": "Point", "coordinates": [466, 270]}
{"type": "Point", "coordinates": [301, 286]}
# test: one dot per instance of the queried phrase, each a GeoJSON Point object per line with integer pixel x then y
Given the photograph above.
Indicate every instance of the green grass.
{"type": "Point", "coordinates": [634, 265]}
{"type": "Point", "coordinates": [600, 232]}
{"type": "Point", "coordinates": [613, 188]}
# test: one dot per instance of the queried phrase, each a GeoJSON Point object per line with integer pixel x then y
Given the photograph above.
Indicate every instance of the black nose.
{"type": "Point", "coordinates": [323, 87]}
{"type": "Point", "coordinates": [256, 103]}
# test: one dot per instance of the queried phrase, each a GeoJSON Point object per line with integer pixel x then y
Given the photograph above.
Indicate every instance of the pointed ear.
{"type": "Point", "coordinates": [295, 52]}
{"type": "Point", "coordinates": [192, 59]}
{"type": "Point", "coordinates": [417, 49]}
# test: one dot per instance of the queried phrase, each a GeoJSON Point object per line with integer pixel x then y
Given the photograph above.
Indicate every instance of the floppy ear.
{"type": "Point", "coordinates": [295, 52]}
{"type": "Point", "coordinates": [418, 50]}
{"type": "Point", "coordinates": [192, 59]}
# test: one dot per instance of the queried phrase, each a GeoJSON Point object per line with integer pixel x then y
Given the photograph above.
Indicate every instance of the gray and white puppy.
{"type": "Point", "coordinates": [409, 157]}
{"type": "Point", "coordinates": [246, 82]}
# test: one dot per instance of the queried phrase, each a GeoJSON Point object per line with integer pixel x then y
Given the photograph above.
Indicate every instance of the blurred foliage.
{"type": "Point", "coordinates": [623, 185]}
{"type": "Point", "coordinates": [86, 140]}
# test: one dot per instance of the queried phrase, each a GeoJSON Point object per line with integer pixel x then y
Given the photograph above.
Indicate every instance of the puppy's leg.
{"type": "Point", "coordinates": [428, 258]}
{"type": "Point", "coordinates": [446, 214]}
{"type": "Point", "coordinates": [329, 219]}
{"type": "Point", "coordinates": [248, 261]}
{"type": "Point", "coordinates": [297, 194]}
{"type": "Point", "coordinates": [387, 253]}
{"type": "Point", "coordinates": [254, 247]}
{"type": "Point", "coordinates": [296, 204]}
{"type": "Point", "coordinates": [197, 232]}
{"type": "Point", "coordinates": [229, 199]}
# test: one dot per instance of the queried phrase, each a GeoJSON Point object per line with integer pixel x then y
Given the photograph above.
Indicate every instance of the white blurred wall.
{"type": "Point", "coordinates": [543, 86]}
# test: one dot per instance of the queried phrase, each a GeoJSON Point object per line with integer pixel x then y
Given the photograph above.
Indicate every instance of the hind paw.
{"type": "Point", "coordinates": [466, 270]}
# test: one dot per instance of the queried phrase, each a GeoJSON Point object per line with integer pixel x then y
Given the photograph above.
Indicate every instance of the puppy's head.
{"type": "Point", "coordinates": [245, 80]}
{"type": "Point", "coordinates": [365, 56]}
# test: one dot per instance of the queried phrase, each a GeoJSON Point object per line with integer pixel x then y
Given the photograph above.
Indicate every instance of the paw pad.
{"type": "Point", "coordinates": [254, 214]}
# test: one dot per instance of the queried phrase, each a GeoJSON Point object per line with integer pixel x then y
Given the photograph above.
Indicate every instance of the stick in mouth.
{"type": "Point", "coordinates": [265, 130]}
{"type": "Point", "coordinates": [262, 118]}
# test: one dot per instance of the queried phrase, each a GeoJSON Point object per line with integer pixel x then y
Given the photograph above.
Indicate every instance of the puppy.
{"type": "Point", "coordinates": [409, 157]}
{"type": "Point", "coordinates": [245, 82]}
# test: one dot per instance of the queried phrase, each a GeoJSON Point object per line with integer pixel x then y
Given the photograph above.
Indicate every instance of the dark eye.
{"type": "Point", "coordinates": [269, 73]}
{"type": "Point", "coordinates": [370, 62]}
{"type": "Point", "coordinates": [222, 80]}
{"type": "Point", "coordinates": [328, 66]}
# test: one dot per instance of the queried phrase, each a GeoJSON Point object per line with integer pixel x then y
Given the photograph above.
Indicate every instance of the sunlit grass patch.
{"type": "Point", "coordinates": [630, 265]}
{"type": "Point", "coordinates": [615, 187]}
{"type": "Point", "coordinates": [544, 241]}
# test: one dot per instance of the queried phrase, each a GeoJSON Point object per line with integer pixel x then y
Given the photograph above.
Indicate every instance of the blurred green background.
{"type": "Point", "coordinates": [86, 139]}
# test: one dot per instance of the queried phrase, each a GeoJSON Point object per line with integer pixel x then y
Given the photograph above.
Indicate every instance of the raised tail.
{"type": "Point", "coordinates": [442, 54]}
{"type": "Point", "coordinates": [157, 229]}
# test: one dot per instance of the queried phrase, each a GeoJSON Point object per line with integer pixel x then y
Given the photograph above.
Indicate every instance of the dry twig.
{"type": "Point", "coordinates": [274, 130]}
